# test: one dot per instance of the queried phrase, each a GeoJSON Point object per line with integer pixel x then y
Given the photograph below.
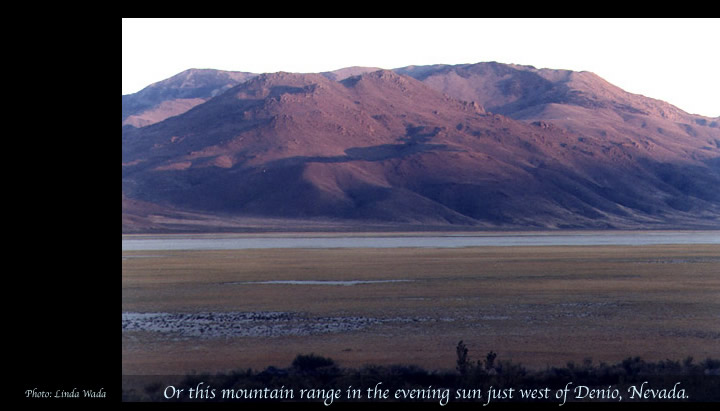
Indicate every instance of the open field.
{"type": "Point", "coordinates": [216, 311]}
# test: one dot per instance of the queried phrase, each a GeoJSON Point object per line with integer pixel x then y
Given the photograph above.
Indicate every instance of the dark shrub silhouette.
{"type": "Point", "coordinates": [699, 380]}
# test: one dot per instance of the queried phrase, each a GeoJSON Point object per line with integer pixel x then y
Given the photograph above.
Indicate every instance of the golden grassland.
{"type": "Point", "coordinates": [539, 306]}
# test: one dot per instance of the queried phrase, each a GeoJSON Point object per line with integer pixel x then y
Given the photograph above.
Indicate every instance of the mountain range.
{"type": "Point", "coordinates": [472, 146]}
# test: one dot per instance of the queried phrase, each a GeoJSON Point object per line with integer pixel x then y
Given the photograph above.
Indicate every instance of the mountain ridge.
{"type": "Point", "coordinates": [385, 147]}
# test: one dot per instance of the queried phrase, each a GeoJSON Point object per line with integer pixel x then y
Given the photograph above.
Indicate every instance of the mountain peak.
{"type": "Point", "coordinates": [343, 73]}
{"type": "Point", "coordinates": [376, 75]}
{"type": "Point", "coordinates": [195, 78]}
{"type": "Point", "coordinates": [177, 94]}
{"type": "Point", "coordinates": [278, 83]}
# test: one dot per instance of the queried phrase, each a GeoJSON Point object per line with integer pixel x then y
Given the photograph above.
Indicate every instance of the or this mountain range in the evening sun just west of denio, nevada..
{"type": "Point", "coordinates": [473, 146]}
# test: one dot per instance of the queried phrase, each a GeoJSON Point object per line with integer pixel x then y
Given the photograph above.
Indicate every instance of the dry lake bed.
{"type": "Point", "coordinates": [227, 302]}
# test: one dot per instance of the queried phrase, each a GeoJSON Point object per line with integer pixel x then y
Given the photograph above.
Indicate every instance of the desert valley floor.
{"type": "Point", "coordinates": [189, 311]}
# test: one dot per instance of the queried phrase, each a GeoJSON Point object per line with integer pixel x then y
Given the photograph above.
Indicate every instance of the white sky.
{"type": "Point", "coordinates": [675, 60]}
